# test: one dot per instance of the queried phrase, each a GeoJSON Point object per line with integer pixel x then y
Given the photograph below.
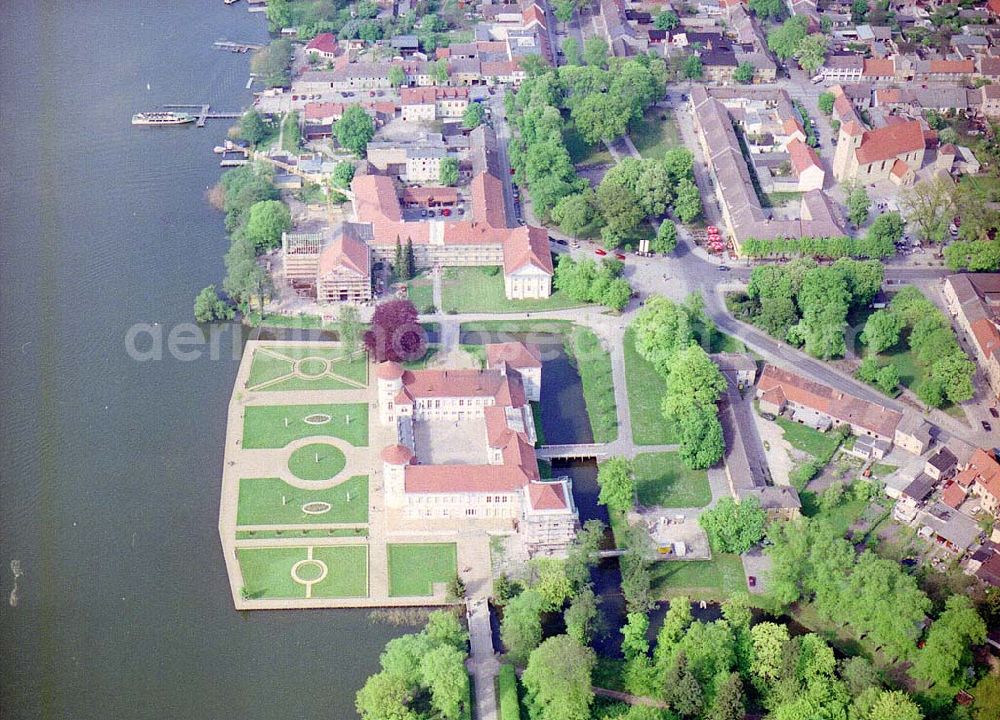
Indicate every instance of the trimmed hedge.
{"type": "Point", "coordinates": [510, 708]}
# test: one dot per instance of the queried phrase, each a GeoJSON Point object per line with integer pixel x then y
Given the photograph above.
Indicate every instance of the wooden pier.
{"type": "Point", "coordinates": [204, 113]}
{"type": "Point", "coordinates": [236, 47]}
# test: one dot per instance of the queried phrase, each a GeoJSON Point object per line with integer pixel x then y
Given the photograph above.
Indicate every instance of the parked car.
{"type": "Point", "coordinates": [752, 580]}
{"type": "Point", "coordinates": [768, 416]}
{"type": "Point", "coordinates": [712, 230]}
{"type": "Point", "coordinates": [559, 241]}
{"type": "Point", "coordinates": [423, 213]}
{"type": "Point", "coordinates": [986, 426]}
{"type": "Point", "coordinates": [619, 256]}
{"type": "Point", "coordinates": [723, 268]}
{"type": "Point", "coordinates": [600, 251]}
{"type": "Point", "coordinates": [994, 413]}
{"type": "Point", "coordinates": [430, 213]}
{"type": "Point", "coordinates": [446, 212]}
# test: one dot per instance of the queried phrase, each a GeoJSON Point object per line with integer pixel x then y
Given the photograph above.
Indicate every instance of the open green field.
{"type": "Point", "coordinates": [415, 567]}
{"type": "Point", "coordinates": [316, 462]}
{"type": "Point", "coordinates": [479, 289]}
{"type": "Point", "coordinates": [655, 133]}
{"type": "Point", "coordinates": [420, 291]}
{"type": "Point", "coordinates": [593, 363]}
{"type": "Point", "coordinates": [809, 441]}
{"type": "Point", "coordinates": [714, 579]}
{"type": "Point", "coordinates": [840, 518]}
{"type": "Point", "coordinates": [272, 501]}
{"type": "Point", "coordinates": [267, 572]}
{"type": "Point", "coordinates": [516, 326]}
{"type": "Point", "coordinates": [646, 388]}
{"type": "Point", "coordinates": [264, 426]}
{"type": "Point", "coordinates": [662, 479]}
{"type": "Point", "coordinates": [306, 368]}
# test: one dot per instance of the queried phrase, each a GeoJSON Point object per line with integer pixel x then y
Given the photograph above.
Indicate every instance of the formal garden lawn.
{"type": "Point", "coordinates": [264, 426]}
{"type": "Point", "coordinates": [415, 567]}
{"type": "Point", "coordinates": [655, 133]}
{"type": "Point", "coordinates": [663, 479]}
{"type": "Point", "coordinates": [310, 367]}
{"type": "Point", "coordinates": [306, 533]}
{"type": "Point", "coordinates": [714, 579]}
{"type": "Point", "coordinates": [267, 572]}
{"type": "Point", "coordinates": [316, 462]}
{"type": "Point", "coordinates": [481, 289]}
{"type": "Point", "coordinates": [646, 388]}
{"type": "Point", "coordinates": [272, 501]}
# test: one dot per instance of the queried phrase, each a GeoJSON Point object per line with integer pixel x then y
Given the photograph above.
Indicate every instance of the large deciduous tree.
{"type": "Point", "coordinates": [355, 129]}
{"type": "Point", "coordinates": [734, 527]}
{"type": "Point", "coordinates": [557, 680]}
{"type": "Point", "coordinates": [395, 334]}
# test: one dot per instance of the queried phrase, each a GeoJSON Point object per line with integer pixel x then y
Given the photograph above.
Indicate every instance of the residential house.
{"type": "Point", "coordinates": [974, 300]}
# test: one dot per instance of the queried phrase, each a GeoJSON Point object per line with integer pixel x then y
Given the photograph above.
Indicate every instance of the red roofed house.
{"type": "Point", "coordinates": [806, 165]}
{"type": "Point", "coordinates": [982, 477]}
{"type": "Point", "coordinates": [527, 264]}
{"type": "Point", "coordinates": [780, 390]}
{"type": "Point", "coordinates": [894, 152]}
{"type": "Point", "coordinates": [465, 449]}
{"type": "Point", "coordinates": [974, 300]}
{"type": "Point", "coordinates": [322, 46]}
{"type": "Point", "coordinates": [432, 103]}
{"type": "Point", "coordinates": [344, 270]}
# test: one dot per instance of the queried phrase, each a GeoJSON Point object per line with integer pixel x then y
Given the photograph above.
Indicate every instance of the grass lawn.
{"type": "Point", "coordinates": [479, 289]}
{"type": "Point", "coordinates": [516, 326]}
{"type": "Point", "coordinates": [646, 388]}
{"type": "Point", "coordinates": [777, 199]}
{"type": "Point", "coordinates": [618, 521]}
{"type": "Point", "coordinates": [594, 365]}
{"type": "Point", "coordinates": [536, 414]}
{"type": "Point", "coordinates": [421, 363]}
{"type": "Point", "coordinates": [264, 425]}
{"type": "Point", "coordinates": [272, 501]}
{"type": "Point", "coordinates": [881, 471]}
{"type": "Point", "coordinates": [415, 567]}
{"type": "Point", "coordinates": [316, 462]}
{"type": "Point", "coordinates": [319, 368]}
{"type": "Point", "coordinates": [840, 518]}
{"type": "Point", "coordinates": [714, 579]}
{"type": "Point", "coordinates": [653, 135]}
{"type": "Point", "coordinates": [420, 292]}
{"type": "Point", "coordinates": [307, 533]}
{"type": "Point", "coordinates": [267, 572]}
{"type": "Point", "coordinates": [304, 322]}
{"type": "Point", "coordinates": [662, 479]}
{"type": "Point", "coordinates": [583, 155]}
{"type": "Point", "coordinates": [809, 441]}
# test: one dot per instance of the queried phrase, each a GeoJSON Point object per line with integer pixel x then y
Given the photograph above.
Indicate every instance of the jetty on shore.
{"type": "Point", "coordinates": [203, 113]}
{"type": "Point", "coordinates": [236, 47]}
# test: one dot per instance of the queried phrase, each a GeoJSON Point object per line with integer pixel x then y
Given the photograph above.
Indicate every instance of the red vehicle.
{"type": "Point", "coordinates": [619, 256]}
{"type": "Point", "coordinates": [446, 212]}
{"type": "Point", "coordinates": [600, 251]}
{"type": "Point", "coordinates": [752, 581]}
{"type": "Point", "coordinates": [512, 171]}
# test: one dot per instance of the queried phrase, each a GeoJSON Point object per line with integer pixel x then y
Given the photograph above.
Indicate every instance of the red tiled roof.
{"type": "Point", "coordinates": [987, 472]}
{"type": "Point", "coordinates": [899, 168]}
{"type": "Point", "coordinates": [516, 354]}
{"type": "Point", "coordinates": [345, 252]}
{"type": "Point", "coordinates": [463, 478]}
{"type": "Point", "coordinates": [987, 336]}
{"type": "Point", "coordinates": [824, 399]}
{"type": "Point", "coordinates": [375, 199]}
{"type": "Point", "coordinates": [527, 246]}
{"type": "Point", "coordinates": [803, 157]}
{"type": "Point", "coordinates": [324, 42]}
{"type": "Point", "coordinates": [533, 14]}
{"type": "Point", "coordinates": [389, 371]}
{"type": "Point", "coordinates": [791, 125]}
{"type": "Point", "coordinates": [397, 454]}
{"type": "Point", "coordinates": [487, 200]}
{"type": "Point", "coordinates": [890, 141]}
{"type": "Point", "coordinates": [879, 67]}
{"type": "Point", "coordinates": [430, 195]}
{"type": "Point", "coordinates": [428, 95]}
{"type": "Point", "coordinates": [506, 389]}
{"type": "Point", "coordinates": [547, 496]}
{"type": "Point", "coordinates": [953, 67]}
{"type": "Point", "coordinates": [323, 110]}
{"type": "Point", "coordinates": [953, 495]}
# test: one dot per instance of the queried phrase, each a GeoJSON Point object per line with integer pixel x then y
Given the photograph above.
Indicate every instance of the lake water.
{"type": "Point", "coordinates": [110, 467]}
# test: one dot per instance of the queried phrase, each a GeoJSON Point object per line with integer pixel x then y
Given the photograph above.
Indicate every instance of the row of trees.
{"type": "Point", "coordinates": [879, 242]}
{"type": "Point", "coordinates": [948, 370]}
{"type": "Point", "coordinates": [587, 281]}
{"type": "Point", "coordinates": [666, 336]}
{"type": "Point", "coordinates": [421, 672]}
{"type": "Point", "coordinates": [807, 304]}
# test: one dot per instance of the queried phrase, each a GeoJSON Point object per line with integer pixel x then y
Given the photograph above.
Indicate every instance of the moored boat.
{"type": "Point", "coordinates": [161, 118]}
